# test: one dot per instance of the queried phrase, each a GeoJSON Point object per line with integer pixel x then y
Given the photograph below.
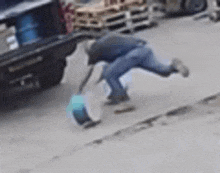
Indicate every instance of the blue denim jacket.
{"type": "Point", "coordinates": [111, 46]}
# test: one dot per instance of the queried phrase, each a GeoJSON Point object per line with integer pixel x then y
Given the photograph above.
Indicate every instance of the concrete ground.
{"type": "Point", "coordinates": [36, 136]}
{"type": "Point", "coordinates": [178, 141]}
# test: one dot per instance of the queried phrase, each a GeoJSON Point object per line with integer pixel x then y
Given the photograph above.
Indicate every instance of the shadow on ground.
{"type": "Point", "coordinates": [49, 98]}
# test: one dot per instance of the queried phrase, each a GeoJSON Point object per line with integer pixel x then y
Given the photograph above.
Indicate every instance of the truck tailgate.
{"type": "Point", "coordinates": [47, 45]}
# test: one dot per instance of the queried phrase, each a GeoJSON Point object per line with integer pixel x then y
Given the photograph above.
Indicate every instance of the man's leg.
{"type": "Point", "coordinates": [116, 69]}
{"type": "Point", "coordinates": [140, 57]}
{"type": "Point", "coordinates": [162, 68]}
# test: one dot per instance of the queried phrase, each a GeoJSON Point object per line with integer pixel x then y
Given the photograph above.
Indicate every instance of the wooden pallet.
{"type": "Point", "coordinates": [92, 16]}
{"type": "Point", "coordinates": [129, 20]}
{"type": "Point", "coordinates": [123, 4]}
{"type": "Point", "coordinates": [119, 15]}
{"type": "Point", "coordinates": [106, 7]}
{"type": "Point", "coordinates": [85, 28]}
{"type": "Point", "coordinates": [89, 23]}
{"type": "Point", "coordinates": [94, 11]}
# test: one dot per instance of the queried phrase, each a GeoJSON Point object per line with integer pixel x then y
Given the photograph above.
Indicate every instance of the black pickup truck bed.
{"type": "Point", "coordinates": [39, 64]}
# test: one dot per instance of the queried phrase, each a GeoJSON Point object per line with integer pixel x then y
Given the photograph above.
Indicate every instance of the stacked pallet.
{"type": "Point", "coordinates": [129, 20]}
{"type": "Point", "coordinates": [91, 17]}
{"type": "Point", "coordinates": [117, 15]}
{"type": "Point", "coordinates": [123, 4]}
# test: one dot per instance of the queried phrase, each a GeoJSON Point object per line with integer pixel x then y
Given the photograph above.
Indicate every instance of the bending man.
{"type": "Point", "coordinates": [122, 53]}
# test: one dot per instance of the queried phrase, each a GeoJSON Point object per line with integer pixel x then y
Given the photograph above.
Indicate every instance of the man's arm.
{"type": "Point", "coordinates": [105, 67]}
{"type": "Point", "coordinates": [86, 79]}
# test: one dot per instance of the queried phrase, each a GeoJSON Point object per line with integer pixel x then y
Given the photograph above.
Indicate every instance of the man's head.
{"type": "Point", "coordinates": [88, 44]}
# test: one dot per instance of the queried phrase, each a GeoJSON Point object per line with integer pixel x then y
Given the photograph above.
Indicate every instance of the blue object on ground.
{"type": "Point", "coordinates": [78, 109]}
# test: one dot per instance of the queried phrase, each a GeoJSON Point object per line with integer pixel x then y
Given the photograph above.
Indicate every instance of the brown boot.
{"type": "Point", "coordinates": [111, 96]}
{"type": "Point", "coordinates": [114, 100]}
{"type": "Point", "coordinates": [179, 67]}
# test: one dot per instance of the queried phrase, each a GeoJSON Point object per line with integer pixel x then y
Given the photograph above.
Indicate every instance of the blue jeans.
{"type": "Point", "coordinates": [142, 57]}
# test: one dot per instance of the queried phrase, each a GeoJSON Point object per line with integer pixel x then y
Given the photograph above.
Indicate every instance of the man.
{"type": "Point", "coordinates": [122, 53]}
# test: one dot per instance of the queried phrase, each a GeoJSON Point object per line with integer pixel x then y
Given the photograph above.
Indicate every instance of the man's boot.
{"type": "Point", "coordinates": [114, 100]}
{"type": "Point", "coordinates": [179, 67]}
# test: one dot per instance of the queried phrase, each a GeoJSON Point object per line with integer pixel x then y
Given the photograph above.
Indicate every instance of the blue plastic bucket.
{"type": "Point", "coordinates": [78, 109]}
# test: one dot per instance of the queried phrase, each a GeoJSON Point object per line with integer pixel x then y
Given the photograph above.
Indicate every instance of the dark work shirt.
{"type": "Point", "coordinates": [111, 46]}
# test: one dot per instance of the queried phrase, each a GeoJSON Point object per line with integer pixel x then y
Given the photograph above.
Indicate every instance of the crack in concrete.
{"type": "Point", "coordinates": [180, 111]}
{"type": "Point", "coordinates": [207, 100]}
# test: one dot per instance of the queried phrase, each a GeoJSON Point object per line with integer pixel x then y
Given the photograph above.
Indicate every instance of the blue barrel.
{"type": "Point", "coordinates": [29, 27]}
{"type": "Point", "coordinates": [78, 109]}
{"type": "Point", "coordinates": [36, 24]}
